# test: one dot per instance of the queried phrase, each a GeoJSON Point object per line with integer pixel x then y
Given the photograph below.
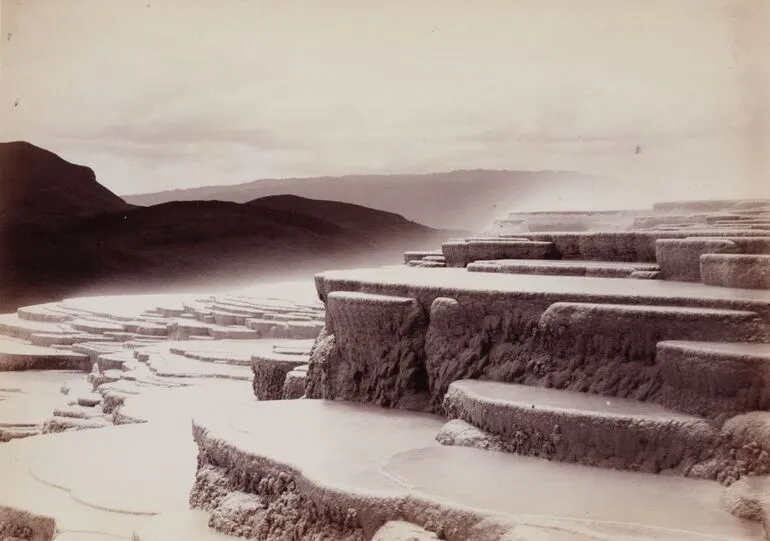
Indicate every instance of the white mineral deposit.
{"type": "Point", "coordinates": [360, 270]}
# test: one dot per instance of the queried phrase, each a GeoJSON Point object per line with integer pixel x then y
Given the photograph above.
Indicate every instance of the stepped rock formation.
{"type": "Point", "coordinates": [553, 385]}
{"type": "Point", "coordinates": [578, 353]}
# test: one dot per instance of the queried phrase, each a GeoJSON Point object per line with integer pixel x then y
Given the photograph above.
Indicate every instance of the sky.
{"type": "Point", "coordinates": [163, 94]}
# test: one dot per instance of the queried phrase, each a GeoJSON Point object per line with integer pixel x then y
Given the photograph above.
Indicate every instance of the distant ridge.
{"type": "Point", "coordinates": [464, 199]}
{"type": "Point", "coordinates": [36, 183]}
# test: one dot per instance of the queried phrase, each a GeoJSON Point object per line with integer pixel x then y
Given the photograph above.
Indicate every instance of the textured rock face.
{"type": "Point", "coordinates": [294, 385]}
{"type": "Point", "coordinates": [741, 271]}
{"type": "Point", "coordinates": [713, 379]}
{"type": "Point", "coordinates": [599, 348]}
{"type": "Point", "coordinates": [271, 372]}
{"type": "Point", "coordinates": [628, 246]}
{"type": "Point", "coordinates": [265, 504]}
{"type": "Point", "coordinates": [679, 259]}
{"type": "Point", "coordinates": [605, 432]}
{"type": "Point", "coordinates": [470, 339]}
{"type": "Point", "coordinates": [460, 253]}
{"type": "Point", "coordinates": [563, 268]}
{"type": "Point", "coordinates": [379, 350]}
{"type": "Point", "coordinates": [351, 469]}
{"type": "Point", "coordinates": [21, 525]}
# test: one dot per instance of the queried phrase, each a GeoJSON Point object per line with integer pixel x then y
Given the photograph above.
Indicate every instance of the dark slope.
{"type": "Point", "coordinates": [341, 214]}
{"type": "Point", "coordinates": [191, 243]}
{"type": "Point", "coordinates": [458, 199]}
{"type": "Point", "coordinates": [63, 234]}
{"type": "Point", "coordinates": [37, 184]}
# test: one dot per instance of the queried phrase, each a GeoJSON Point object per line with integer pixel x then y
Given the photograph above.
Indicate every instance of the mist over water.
{"type": "Point", "coordinates": [570, 193]}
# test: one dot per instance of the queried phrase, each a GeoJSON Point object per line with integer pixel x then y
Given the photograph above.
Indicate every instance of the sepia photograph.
{"type": "Point", "coordinates": [361, 270]}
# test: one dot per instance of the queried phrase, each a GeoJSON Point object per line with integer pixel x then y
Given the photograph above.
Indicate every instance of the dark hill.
{"type": "Point", "coordinates": [38, 184]}
{"type": "Point", "coordinates": [58, 245]}
{"type": "Point", "coordinates": [342, 214]}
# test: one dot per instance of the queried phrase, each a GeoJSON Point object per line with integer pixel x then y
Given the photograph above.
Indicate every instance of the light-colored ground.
{"type": "Point", "coordinates": [106, 483]}
{"type": "Point", "coordinates": [28, 398]}
{"type": "Point", "coordinates": [563, 286]}
{"type": "Point", "coordinates": [383, 453]}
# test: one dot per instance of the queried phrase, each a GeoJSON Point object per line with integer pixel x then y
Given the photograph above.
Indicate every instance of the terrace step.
{"type": "Point", "coordinates": [79, 412]}
{"type": "Point", "coordinates": [19, 356]}
{"type": "Point", "coordinates": [295, 383]}
{"type": "Point", "coordinates": [60, 424]}
{"type": "Point", "coordinates": [583, 428]}
{"type": "Point", "coordinates": [12, 325]}
{"type": "Point", "coordinates": [606, 269]}
{"type": "Point", "coordinates": [303, 330]}
{"type": "Point", "coordinates": [44, 312]}
{"type": "Point", "coordinates": [430, 264]}
{"type": "Point", "coordinates": [748, 271]}
{"type": "Point", "coordinates": [715, 379]}
{"type": "Point", "coordinates": [163, 363]}
{"type": "Point", "coordinates": [626, 245]}
{"type": "Point", "coordinates": [271, 370]}
{"type": "Point", "coordinates": [645, 275]}
{"type": "Point", "coordinates": [115, 360]}
{"type": "Point", "coordinates": [458, 253]}
{"type": "Point", "coordinates": [235, 332]}
{"type": "Point", "coordinates": [62, 339]}
{"type": "Point", "coordinates": [362, 461]}
{"type": "Point", "coordinates": [646, 325]}
{"type": "Point", "coordinates": [153, 329]}
{"type": "Point", "coordinates": [296, 330]}
{"type": "Point", "coordinates": [679, 259]}
{"type": "Point", "coordinates": [546, 289]}
{"type": "Point", "coordinates": [97, 326]}
{"type": "Point", "coordinates": [90, 400]}
{"type": "Point", "coordinates": [224, 318]}
{"type": "Point", "coordinates": [94, 349]}
{"type": "Point", "coordinates": [182, 330]}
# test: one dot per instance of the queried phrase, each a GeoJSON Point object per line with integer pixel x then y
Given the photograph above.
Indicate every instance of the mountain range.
{"type": "Point", "coordinates": [467, 199]}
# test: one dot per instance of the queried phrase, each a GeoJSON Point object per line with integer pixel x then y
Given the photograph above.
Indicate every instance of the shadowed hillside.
{"type": "Point", "coordinates": [36, 183]}
{"type": "Point", "coordinates": [94, 240]}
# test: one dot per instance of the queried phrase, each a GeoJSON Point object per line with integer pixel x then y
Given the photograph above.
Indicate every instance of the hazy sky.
{"type": "Point", "coordinates": [160, 94]}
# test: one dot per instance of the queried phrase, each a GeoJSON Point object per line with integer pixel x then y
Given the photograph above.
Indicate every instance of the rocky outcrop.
{"type": "Point", "coordinates": [380, 352]}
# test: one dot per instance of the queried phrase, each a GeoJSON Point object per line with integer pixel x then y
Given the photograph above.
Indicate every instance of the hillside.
{"type": "Point", "coordinates": [36, 183]}
{"type": "Point", "coordinates": [71, 236]}
{"type": "Point", "coordinates": [458, 199]}
{"type": "Point", "coordinates": [342, 214]}
{"type": "Point", "coordinates": [190, 243]}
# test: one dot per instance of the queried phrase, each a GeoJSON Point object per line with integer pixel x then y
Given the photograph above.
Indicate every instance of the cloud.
{"type": "Point", "coordinates": [182, 95]}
